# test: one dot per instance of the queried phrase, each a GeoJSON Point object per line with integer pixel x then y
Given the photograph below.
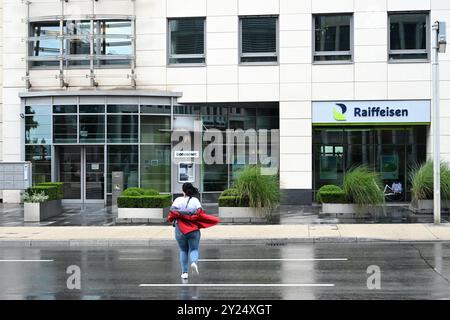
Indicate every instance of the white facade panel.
{"type": "Point", "coordinates": [296, 179]}
{"type": "Point", "coordinates": [222, 8]}
{"type": "Point", "coordinates": [182, 8]}
{"type": "Point", "coordinates": [403, 5]}
{"type": "Point", "coordinates": [331, 6]}
{"type": "Point", "coordinates": [254, 7]}
{"type": "Point", "coordinates": [295, 110]}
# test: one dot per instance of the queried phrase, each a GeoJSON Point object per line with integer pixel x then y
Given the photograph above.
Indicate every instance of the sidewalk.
{"type": "Point", "coordinates": [222, 234]}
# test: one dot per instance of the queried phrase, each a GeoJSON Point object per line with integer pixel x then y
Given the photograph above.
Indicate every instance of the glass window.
{"type": "Point", "coordinates": [258, 39]}
{"type": "Point", "coordinates": [112, 43]}
{"type": "Point", "coordinates": [40, 157]}
{"type": "Point", "coordinates": [155, 109]}
{"type": "Point", "coordinates": [390, 151]}
{"type": "Point", "coordinates": [38, 127]}
{"type": "Point", "coordinates": [194, 110]}
{"type": "Point", "coordinates": [65, 129]}
{"type": "Point", "coordinates": [65, 109]}
{"type": "Point", "coordinates": [122, 129]}
{"type": "Point", "coordinates": [408, 36]}
{"type": "Point", "coordinates": [79, 42]}
{"type": "Point", "coordinates": [122, 108]}
{"type": "Point", "coordinates": [155, 129]}
{"type": "Point", "coordinates": [92, 108]}
{"type": "Point", "coordinates": [155, 167]}
{"type": "Point", "coordinates": [114, 39]}
{"type": "Point", "coordinates": [332, 37]}
{"type": "Point", "coordinates": [92, 128]}
{"type": "Point", "coordinates": [187, 40]}
{"type": "Point", "coordinates": [38, 130]}
{"type": "Point", "coordinates": [125, 159]}
{"type": "Point", "coordinates": [215, 176]}
{"type": "Point", "coordinates": [46, 44]}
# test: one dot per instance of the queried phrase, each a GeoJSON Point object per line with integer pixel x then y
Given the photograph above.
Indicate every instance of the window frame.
{"type": "Point", "coordinates": [333, 53]}
{"type": "Point", "coordinates": [408, 51]}
{"type": "Point", "coordinates": [65, 39]}
{"type": "Point", "coordinates": [185, 56]}
{"type": "Point", "coordinates": [261, 54]}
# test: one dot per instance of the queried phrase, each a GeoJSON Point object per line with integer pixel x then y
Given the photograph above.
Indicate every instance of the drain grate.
{"type": "Point", "coordinates": [276, 243]}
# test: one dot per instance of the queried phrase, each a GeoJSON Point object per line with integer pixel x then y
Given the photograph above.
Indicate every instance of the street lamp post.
{"type": "Point", "coordinates": [439, 47]}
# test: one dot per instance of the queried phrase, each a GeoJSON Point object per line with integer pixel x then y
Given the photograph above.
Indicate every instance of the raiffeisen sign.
{"type": "Point", "coordinates": [371, 112]}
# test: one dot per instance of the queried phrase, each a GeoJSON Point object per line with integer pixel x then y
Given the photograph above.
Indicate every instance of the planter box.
{"type": "Point", "coordinates": [242, 215]}
{"type": "Point", "coordinates": [347, 210]}
{"type": "Point", "coordinates": [140, 213]}
{"type": "Point", "coordinates": [426, 206]}
{"type": "Point", "coordinates": [35, 212]}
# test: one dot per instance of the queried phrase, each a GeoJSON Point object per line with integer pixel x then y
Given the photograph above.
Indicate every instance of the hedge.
{"type": "Point", "coordinates": [50, 191]}
{"type": "Point", "coordinates": [325, 189]}
{"type": "Point", "coordinates": [136, 192]}
{"type": "Point", "coordinates": [59, 185]}
{"type": "Point", "coordinates": [158, 201]}
{"type": "Point", "coordinates": [333, 197]}
{"type": "Point", "coordinates": [229, 193]}
{"type": "Point", "coordinates": [232, 201]}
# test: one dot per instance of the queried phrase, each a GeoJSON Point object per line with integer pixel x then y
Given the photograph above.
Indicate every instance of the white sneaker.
{"type": "Point", "coordinates": [184, 275]}
{"type": "Point", "coordinates": [194, 268]}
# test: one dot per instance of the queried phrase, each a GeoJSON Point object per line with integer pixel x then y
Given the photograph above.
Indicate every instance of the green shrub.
{"type": "Point", "coordinates": [230, 198]}
{"type": "Point", "coordinates": [331, 194]}
{"type": "Point", "coordinates": [232, 201]}
{"type": "Point", "coordinates": [50, 191]}
{"type": "Point", "coordinates": [363, 186]}
{"type": "Point", "coordinates": [262, 191]}
{"type": "Point", "coordinates": [135, 192]}
{"type": "Point", "coordinates": [229, 192]}
{"type": "Point", "coordinates": [421, 178]}
{"type": "Point", "coordinates": [150, 192]}
{"type": "Point", "coordinates": [158, 201]}
{"type": "Point", "coordinates": [59, 185]}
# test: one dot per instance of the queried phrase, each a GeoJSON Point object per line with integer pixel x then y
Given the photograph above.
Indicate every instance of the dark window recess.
{"type": "Point", "coordinates": [408, 36]}
{"type": "Point", "coordinates": [259, 39]}
{"type": "Point", "coordinates": [187, 40]}
{"type": "Point", "coordinates": [332, 37]}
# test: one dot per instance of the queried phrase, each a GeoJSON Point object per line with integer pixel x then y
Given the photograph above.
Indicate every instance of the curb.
{"type": "Point", "coordinates": [162, 242]}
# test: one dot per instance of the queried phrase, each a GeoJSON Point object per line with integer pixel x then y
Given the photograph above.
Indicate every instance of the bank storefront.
{"type": "Point", "coordinates": [388, 136]}
{"type": "Point", "coordinates": [80, 138]}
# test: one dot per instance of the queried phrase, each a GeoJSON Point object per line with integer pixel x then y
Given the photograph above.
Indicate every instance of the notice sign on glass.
{"type": "Point", "coordinates": [15, 175]}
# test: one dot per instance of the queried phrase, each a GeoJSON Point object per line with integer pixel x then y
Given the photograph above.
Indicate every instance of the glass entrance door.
{"type": "Point", "coordinates": [82, 169]}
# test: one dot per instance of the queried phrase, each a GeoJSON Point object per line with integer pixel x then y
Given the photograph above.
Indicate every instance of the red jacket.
{"type": "Point", "coordinates": [198, 220]}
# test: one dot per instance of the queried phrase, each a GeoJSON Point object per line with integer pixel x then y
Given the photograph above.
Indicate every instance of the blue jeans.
{"type": "Point", "coordinates": [188, 245]}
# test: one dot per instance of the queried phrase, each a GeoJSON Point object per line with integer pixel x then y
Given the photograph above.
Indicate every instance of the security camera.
{"type": "Point", "coordinates": [22, 115]}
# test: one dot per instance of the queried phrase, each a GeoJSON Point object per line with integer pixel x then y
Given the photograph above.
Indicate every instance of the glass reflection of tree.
{"type": "Point", "coordinates": [30, 125]}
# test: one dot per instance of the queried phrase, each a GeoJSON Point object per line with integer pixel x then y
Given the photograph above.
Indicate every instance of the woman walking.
{"type": "Point", "coordinates": [188, 218]}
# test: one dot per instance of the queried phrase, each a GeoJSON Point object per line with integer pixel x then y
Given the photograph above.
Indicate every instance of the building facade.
{"type": "Point", "coordinates": [90, 87]}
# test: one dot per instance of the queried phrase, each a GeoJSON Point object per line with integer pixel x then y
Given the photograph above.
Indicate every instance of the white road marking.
{"type": "Point", "coordinates": [142, 259]}
{"type": "Point", "coordinates": [239, 260]}
{"type": "Point", "coordinates": [238, 285]}
{"type": "Point", "coordinates": [27, 260]}
{"type": "Point", "coordinates": [242, 260]}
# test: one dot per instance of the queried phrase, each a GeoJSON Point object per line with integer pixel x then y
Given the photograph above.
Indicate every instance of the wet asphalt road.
{"type": "Point", "coordinates": [300, 271]}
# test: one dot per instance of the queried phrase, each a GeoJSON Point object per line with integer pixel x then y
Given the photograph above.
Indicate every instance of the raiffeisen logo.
{"type": "Point", "coordinates": [340, 115]}
{"type": "Point", "coordinates": [380, 112]}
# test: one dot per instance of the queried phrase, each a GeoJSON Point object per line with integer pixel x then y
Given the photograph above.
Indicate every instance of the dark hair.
{"type": "Point", "coordinates": [189, 189]}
